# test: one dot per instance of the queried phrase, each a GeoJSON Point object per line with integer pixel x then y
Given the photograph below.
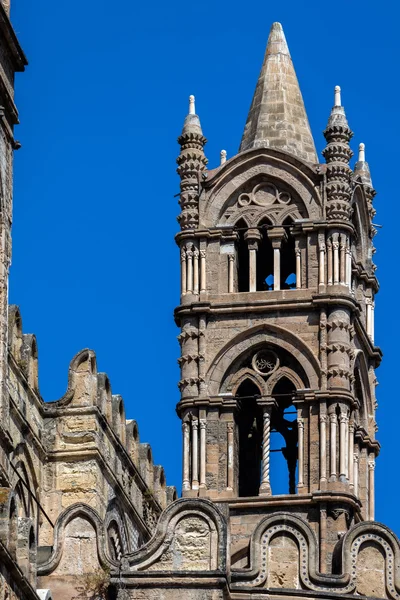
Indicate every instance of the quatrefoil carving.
{"type": "Point", "coordinates": [264, 194]}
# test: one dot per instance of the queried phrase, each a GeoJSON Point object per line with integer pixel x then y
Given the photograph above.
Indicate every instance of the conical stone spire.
{"type": "Point", "coordinates": [191, 162]}
{"type": "Point", "coordinates": [277, 117]}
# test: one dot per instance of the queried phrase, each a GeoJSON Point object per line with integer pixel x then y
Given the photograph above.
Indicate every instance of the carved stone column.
{"type": "Point", "coordinates": [322, 250]}
{"type": "Point", "coordinates": [335, 248]}
{"type": "Point", "coordinates": [231, 264]}
{"type": "Point", "coordinates": [203, 426]}
{"type": "Point", "coordinates": [351, 453]}
{"type": "Point", "coordinates": [277, 235]}
{"type": "Point", "coordinates": [348, 264]}
{"type": "Point", "coordinates": [300, 426]}
{"type": "Point", "coordinates": [298, 268]}
{"type": "Point", "coordinates": [339, 348]}
{"type": "Point", "coordinates": [189, 269]}
{"type": "Point", "coordinates": [230, 473]}
{"type": "Point", "coordinates": [343, 244]}
{"type": "Point", "coordinates": [355, 473]}
{"type": "Point", "coordinates": [323, 419]}
{"type": "Point", "coordinates": [195, 454]}
{"type": "Point", "coordinates": [330, 261]}
{"type": "Point", "coordinates": [333, 436]}
{"type": "Point", "coordinates": [265, 487]}
{"type": "Point", "coordinates": [195, 271]}
{"type": "Point", "coordinates": [203, 271]}
{"type": "Point", "coordinates": [371, 488]}
{"type": "Point", "coordinates": [183, 271]}
{"type": "Point", "coordinates": [186, 456]}
{"type": "Point", "coordinates": [373, 322]}
{"type": "Point", "coordinates": [252, 236]}
{"type": "Point", "coordinates": [343, 441]}
{"type": "Point", "coordinates": [369, 318]}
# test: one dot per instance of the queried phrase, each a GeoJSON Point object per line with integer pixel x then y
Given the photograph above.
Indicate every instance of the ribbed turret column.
{"type": "Point", "coordinates": [191, 162]}
{"type": "Point", "coordinates": [337, 155]}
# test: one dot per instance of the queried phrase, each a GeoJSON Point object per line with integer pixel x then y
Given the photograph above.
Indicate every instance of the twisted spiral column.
{"type": "Point", "coordinates": [265, 487]}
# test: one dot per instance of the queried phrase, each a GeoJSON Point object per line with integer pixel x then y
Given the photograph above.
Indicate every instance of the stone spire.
{"type": "Point", "coordinates": [362, 175]}
{"type": "Point", "coordinates": [191, 162]}
{"type": "Point", "coordinates": [277, 116]}
{"type": "Point", "coordinates": [337, 155]}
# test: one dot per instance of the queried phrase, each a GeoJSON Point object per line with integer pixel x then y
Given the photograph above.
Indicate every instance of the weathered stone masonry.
{"type": "Point", "coordinates": [276, 320]}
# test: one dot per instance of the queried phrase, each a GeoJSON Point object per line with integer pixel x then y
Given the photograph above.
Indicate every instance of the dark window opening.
{"type": "Point", "coordinates": [249, 420]}
{"type": "Point", "coordinates": [288, 259]}
{"type": "Point", "coordinates": [265, 258]}
{"type": "Point", "coordinates": [284, 438]}
{"type": "Point", "coordinates": [242, 257]}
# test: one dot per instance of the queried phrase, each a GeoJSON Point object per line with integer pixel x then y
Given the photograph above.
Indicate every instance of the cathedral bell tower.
{"type": "Point", "coordinates": [277, 315]}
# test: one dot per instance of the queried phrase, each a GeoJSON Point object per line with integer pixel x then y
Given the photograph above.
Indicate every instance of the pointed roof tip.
{"type": "Point", "coordinates": [192, 121]}
{"type": "Point", "coordinates": [192, 106]}
{"type": "Point", "coordinates": [338, 96]}
{"type": "Point", "coordinates": [361, 152]}
{"type": "Point", "coordinates": [277, 43]}
{"type": "Point", "coordinates": [361, 168]}
{"type": "Point", "coordinates": [277, 116]}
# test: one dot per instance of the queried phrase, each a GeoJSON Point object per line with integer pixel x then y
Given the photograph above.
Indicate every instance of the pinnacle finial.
{"type": "Point", "coordinates": [223, 156]}
{"type": "Point", "coordinates": [361, 153]}
{"type": "Point", "coordinates": [338, 99]}
{"type": "Point", "coordinates": [192, 107]}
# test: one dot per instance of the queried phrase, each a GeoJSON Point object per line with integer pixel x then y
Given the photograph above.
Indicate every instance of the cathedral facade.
{"type": "Point", "coordinates": [277, 387]}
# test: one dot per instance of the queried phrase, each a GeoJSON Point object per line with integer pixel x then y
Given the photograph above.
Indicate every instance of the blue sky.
{"type": "Point", "coordinates": [101, 105]}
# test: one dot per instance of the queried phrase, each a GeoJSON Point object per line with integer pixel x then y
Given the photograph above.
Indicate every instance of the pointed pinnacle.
{"type": "Point", "coordinates": [192, 121]}
{"type": "Point", "coordinates": [277, 116]}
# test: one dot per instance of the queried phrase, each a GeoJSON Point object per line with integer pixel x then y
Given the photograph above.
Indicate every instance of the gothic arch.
{"type": "Point", "coordinates": [256, 336]}
{"type": "Point", "coordinates": [283, 372]}
{"type": "Point", "coordinates": [69, 514]}
{"type": "Point", "coordinates": [308, 555]}
{"type": "Point", "coordinates": [189, 510]}
{"type": "Point", "coordinates": [272, 165]}
{"type": "Point", "coordinates": [241, 376]}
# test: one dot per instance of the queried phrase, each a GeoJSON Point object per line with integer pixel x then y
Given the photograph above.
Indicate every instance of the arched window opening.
{"type": "Point", "coordinates": [288, 258]}
{"type": "Point", "coordinates": [242, 261]}
{"type": "Point", "coordinates": [265, 258]}
{"type": "Point", "coordinates": [249, 420]}
{"type": "Point", "coordinates": [284, 438]}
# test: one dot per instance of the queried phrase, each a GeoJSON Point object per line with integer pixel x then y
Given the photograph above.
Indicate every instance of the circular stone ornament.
{"type": "Point", "coordinates": [265, 362]}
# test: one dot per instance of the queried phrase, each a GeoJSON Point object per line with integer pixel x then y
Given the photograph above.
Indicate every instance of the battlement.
{"type": "Point", "coordinates": [78, 449]}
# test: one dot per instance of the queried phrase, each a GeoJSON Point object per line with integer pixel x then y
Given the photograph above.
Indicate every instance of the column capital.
{"type": "Point", "coordinates": [202, 253]}
{"type": "Point", "coordinates": [276, 236]}
{"type": "Point", "coordinates": [183, 253]}
{"type": "Point", "coordinates": [371, 465]}
{"type": "Point", "coordinates": [231, 257]}
{"type": "Point", "coordinates": [195, 424]}
{"type": "Point", "coordinates": [252, 234]}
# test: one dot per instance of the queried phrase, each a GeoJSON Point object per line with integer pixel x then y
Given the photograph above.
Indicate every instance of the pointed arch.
{"type": "Point", "coordinates": [269, 334]}
{"type": "Point", "coordinates": [281, 373]}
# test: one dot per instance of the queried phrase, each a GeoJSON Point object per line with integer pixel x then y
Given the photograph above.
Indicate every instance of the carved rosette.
{"type": "Point", "coordinates": [338, 174]}
{"type": "Point", "coordinates": [191, 163]}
